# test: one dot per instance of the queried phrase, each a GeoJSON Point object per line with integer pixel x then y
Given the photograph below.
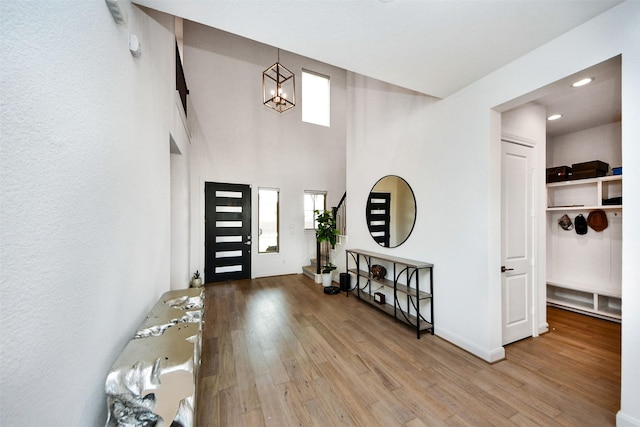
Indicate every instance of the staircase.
{"type": "Point", "coordinates": [312, 270]}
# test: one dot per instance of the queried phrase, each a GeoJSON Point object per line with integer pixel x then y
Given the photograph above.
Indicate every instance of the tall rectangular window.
{"type": "Point", "coordinates": [313, 200]}
{"type": "Point", "coordinates": [316, 98]}
{"type": "Point", "coordinates": [268, 220]}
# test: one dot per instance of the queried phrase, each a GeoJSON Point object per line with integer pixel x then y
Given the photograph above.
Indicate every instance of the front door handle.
{"type": "Point", "coordinates": [503, 269]}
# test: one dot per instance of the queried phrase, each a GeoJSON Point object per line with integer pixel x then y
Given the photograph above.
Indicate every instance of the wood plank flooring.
{"type": "Point", "coordinates": [277, 351]}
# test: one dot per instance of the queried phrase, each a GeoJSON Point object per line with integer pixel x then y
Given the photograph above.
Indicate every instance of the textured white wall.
{"type": "Point", "coordinates": [238, 140]}
{"type": "Point", "coordinates": [85, 200]}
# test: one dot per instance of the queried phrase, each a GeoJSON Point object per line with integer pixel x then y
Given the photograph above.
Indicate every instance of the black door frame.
{"type": "Point", "coordinates": [223, 237]}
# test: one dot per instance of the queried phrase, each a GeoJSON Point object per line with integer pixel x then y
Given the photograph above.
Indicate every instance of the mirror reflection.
{"type": "Point", "coordinates": [391, 211]}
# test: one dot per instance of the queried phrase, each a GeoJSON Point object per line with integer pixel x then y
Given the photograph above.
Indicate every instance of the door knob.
{"type": "Point", "coordinates": [503, 269]}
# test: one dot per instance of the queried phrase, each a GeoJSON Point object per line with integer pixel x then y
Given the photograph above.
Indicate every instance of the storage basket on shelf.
{"type": "Point", "coordinates": [592, 169]}
{"type": "Point", "coordinates": [558, 173]}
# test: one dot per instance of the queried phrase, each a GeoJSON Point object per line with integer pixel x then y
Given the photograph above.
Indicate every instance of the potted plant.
{"type": "Point", "coordinates": [196, 280]}
{"type": "Point", "coordinates": [327, 233]}
{"type": "Point", "coordinates": [327, 274]}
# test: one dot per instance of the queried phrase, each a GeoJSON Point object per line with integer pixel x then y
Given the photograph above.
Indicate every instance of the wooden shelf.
{"type": "Point", "coordinates": [584, 194]}
{"type": "Point", "coordinates": [404, 268]}
{"type": "Point", "coordinates": [583, 208]}
{"type": "Point", "coordinates": [585, 301]}
{"type": "Point", "coordinates": [585, 181]}
{"type": "Point", "coordinates": [592, 294]}
{"type": "Point", "coordinates": [389, 284]}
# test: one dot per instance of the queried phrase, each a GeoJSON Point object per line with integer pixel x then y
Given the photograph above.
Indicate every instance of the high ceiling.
{"type": "Point", "coordinates": [435, 47]}
{"type": "Point", "coordinates": [432, 47]}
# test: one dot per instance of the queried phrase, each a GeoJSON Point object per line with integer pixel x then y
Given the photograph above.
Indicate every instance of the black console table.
{"type": "Point", "coordinates": [405, 304]}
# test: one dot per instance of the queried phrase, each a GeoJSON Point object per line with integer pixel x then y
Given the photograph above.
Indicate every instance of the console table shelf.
{"type": "Point", "coordinates": [406, 299]}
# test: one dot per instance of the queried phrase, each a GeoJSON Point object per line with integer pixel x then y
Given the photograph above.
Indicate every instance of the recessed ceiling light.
{"type": "Point", "coordinates": [554, 117]}
{"type": "Point", "coordinates": [582, 82]}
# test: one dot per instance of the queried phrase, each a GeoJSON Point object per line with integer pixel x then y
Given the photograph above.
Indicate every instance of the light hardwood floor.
{"type": "Point", "coordinates": [277, 351]}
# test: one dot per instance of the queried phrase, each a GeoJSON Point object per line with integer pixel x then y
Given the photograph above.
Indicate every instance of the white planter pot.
{"type": "Point", "coordinates": [327, 279]}
{"type": "Point", "coordinates": [196, 283]}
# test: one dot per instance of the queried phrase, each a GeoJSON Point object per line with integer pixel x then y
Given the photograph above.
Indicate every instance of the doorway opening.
{"type": "Point", "coordinates": [576, 272]}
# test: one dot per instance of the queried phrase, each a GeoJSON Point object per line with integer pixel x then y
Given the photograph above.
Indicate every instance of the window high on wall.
{"type": "Point", "coordinates": [313, 201]}
{"type": "Point", "coordinates": [316, 98]}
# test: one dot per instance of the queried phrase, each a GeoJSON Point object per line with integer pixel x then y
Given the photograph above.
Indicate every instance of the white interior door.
{"type": "Point", "coordinates": [517, 242]}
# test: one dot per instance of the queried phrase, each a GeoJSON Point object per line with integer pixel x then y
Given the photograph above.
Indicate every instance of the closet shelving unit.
{"type": "Point", "coordinates": [581, 197]}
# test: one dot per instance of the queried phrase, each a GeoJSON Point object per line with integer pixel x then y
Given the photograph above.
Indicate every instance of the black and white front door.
{"type": "Point", "coordinates": [227, 232]}
{"type": "Point", "coordinates": [379, 217]}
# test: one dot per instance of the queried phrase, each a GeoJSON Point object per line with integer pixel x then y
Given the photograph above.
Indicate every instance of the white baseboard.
{"type": "Point", "coordinates": [624, 420]}
{"type": "Point", "coordinates": [487, 355]}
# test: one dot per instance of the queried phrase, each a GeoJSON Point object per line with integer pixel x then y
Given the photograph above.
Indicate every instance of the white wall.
{"type": "Point", "coordinates": [238, 140]}
{"type": "Point", "coordinates": [85, 200]}
{"type": "Point", "coordinates": [598, 143]}
{"type": "Point", "coordinates": [449, 152]}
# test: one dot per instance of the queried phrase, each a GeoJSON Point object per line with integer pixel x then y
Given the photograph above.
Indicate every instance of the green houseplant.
{"type": "Point", "coordinates": [327, 233]}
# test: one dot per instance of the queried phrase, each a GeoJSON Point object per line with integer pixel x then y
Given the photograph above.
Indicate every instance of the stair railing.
{"type": "Point", "coordinates": [340, 214]}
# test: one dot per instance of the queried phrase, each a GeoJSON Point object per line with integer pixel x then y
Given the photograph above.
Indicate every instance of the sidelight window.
{"type": "Point", "coordinates": [268, 218]}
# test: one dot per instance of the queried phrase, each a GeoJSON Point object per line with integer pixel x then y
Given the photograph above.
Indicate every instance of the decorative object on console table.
{"type": "Point", "coordinates": [379, 298]}
{"type": "Point", "coordinates": [378, 271]}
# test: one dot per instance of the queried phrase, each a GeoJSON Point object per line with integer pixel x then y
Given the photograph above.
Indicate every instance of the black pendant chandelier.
{"type": "Point", "coordinates": [278, 87]}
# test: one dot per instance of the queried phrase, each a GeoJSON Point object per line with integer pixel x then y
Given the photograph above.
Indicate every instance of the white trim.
{"type": "Point", "coordinates": [507, 137]}
{"type": "Point", "coordinates": [624, 420]}
{"type": "Point", "coordinates": [488, 355]}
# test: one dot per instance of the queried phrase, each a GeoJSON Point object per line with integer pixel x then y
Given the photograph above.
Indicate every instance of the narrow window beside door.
{"type": "Point", "coordinates": [268, 241]}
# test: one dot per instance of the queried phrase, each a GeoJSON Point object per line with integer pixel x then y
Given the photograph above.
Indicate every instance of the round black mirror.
{"type": "Point", "coordinates": [391, 211]}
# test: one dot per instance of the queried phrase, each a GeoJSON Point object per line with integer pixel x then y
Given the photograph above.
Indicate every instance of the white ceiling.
{"type": "Point", "coordinates": [435, 47]}
{"type": "Point", "coordinates": [432, 47]}
{"type": "Point", "coordinates": [596, 104]}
